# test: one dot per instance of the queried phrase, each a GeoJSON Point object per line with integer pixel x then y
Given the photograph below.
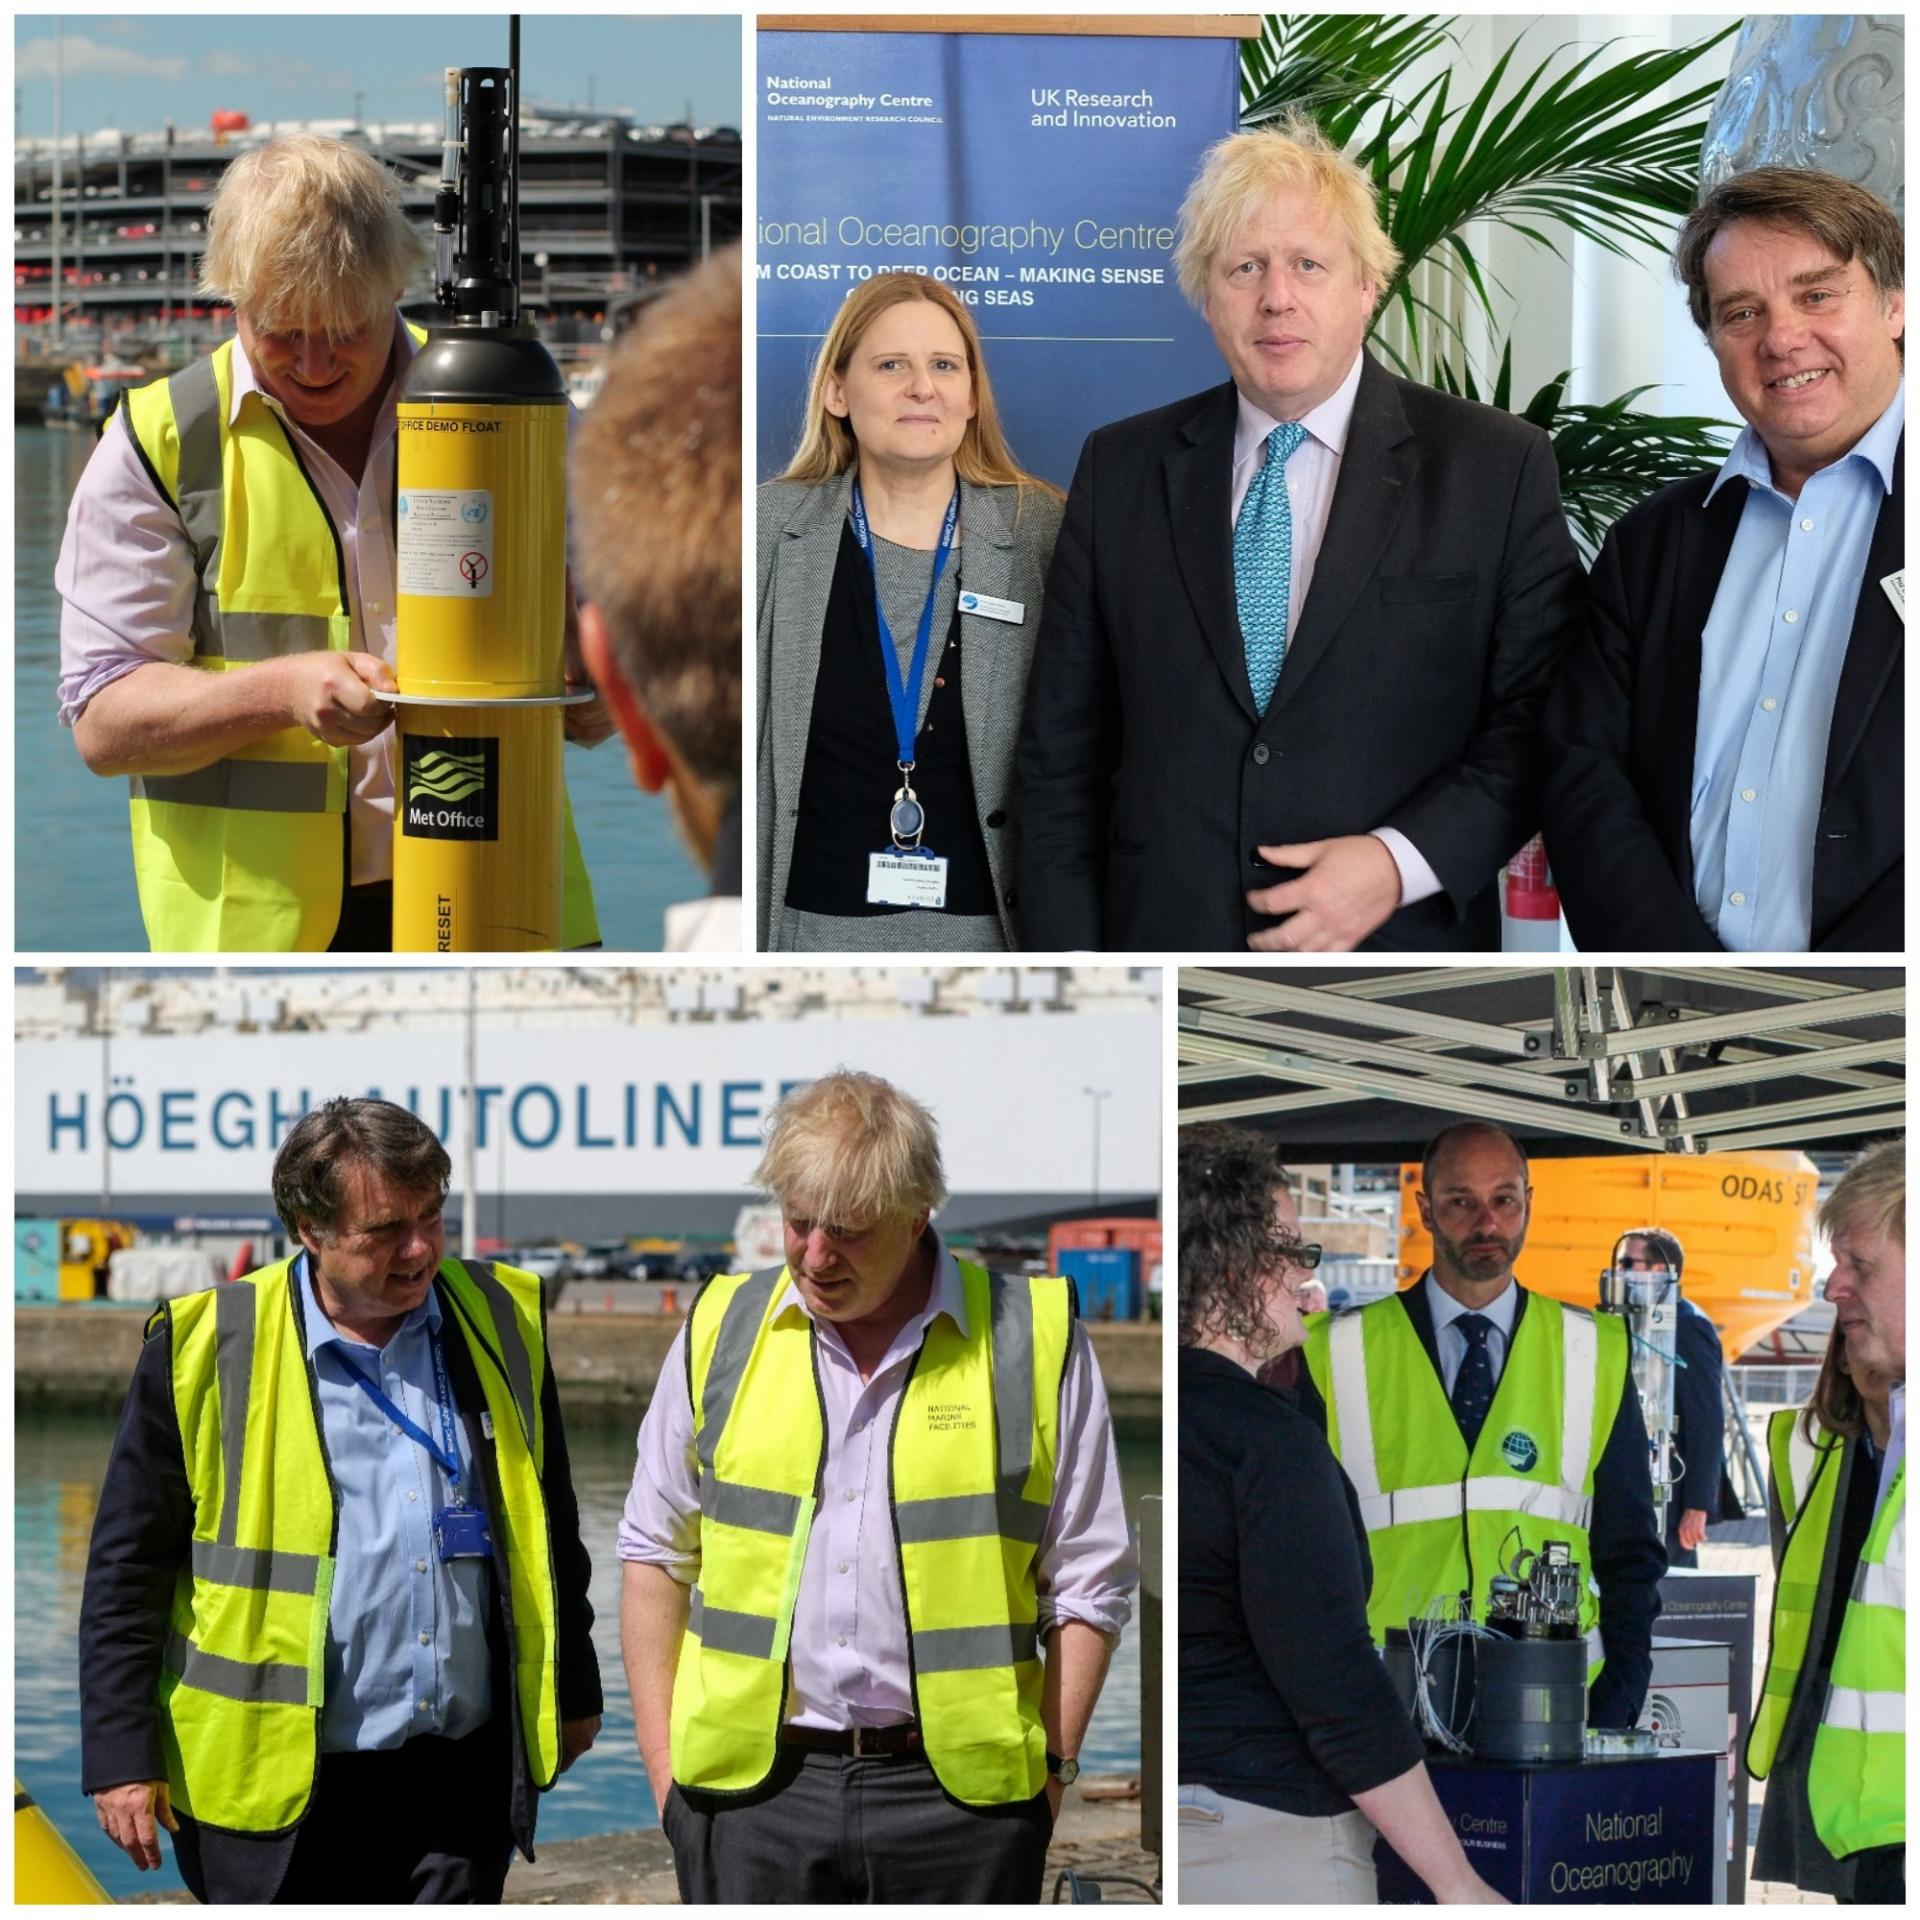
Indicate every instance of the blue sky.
{"type": "Point", "coordinates": [134, 71]}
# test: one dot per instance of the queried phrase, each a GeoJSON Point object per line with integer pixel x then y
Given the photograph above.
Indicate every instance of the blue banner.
{"type": "Point", "coordinates": [1039, 175]}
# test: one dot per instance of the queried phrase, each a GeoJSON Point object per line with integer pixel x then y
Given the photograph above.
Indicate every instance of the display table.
{"type": "Point", "coordinates": [1645, 1828]}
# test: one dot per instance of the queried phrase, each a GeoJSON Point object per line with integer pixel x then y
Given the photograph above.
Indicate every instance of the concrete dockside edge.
{"type": "Point", "coordinates": [79, 1358]}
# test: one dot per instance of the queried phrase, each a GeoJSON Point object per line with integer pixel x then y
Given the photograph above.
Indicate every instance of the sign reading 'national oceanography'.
{"type": "Point", "coordinates": [1037, 175]}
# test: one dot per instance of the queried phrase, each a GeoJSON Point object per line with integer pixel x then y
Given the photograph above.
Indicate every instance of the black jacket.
{"type": "Point", "coordinates": [1628, 1558]}
{"type": "Point", "coordinates": [1621, 724]}
{"type": "Point", "coordinates": [1283, 1700]}
{"type": "Point", "coordinates": [1700, 1433]}
{"type": "Point", "coordinates": [1445, 591]}
{"type": "Point", "coordinates": [142, 1534]}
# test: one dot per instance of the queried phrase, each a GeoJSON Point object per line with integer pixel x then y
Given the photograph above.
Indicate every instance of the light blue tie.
{"type": "Point", "coordinates": [1263, 563]}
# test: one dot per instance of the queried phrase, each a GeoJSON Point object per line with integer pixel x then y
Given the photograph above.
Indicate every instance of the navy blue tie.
{"type": "Point", "coordinates": [1473, 1384]}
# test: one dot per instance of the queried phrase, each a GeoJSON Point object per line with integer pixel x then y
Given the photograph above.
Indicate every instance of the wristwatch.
{"type": "Point", "coordinates": [1066, 1771]}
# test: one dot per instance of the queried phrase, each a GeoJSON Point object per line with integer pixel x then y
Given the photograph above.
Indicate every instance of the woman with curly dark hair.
{"type": "Point", "coordinates": [1294, 1747]}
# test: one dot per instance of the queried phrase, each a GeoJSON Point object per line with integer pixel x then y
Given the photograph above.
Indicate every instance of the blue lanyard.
{"type": "Point", "coordinates": [449, 1461]}
{"type": "Point", "coordinates": [904, 695]}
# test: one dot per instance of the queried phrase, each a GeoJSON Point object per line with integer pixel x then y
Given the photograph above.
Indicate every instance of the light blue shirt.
{"type": "Point", "coordinates": [1452, 1343]}
{"type": "Point", "coordinates": [1770, 661]}
{"type": "Point", "coordinates": [406, 1632]}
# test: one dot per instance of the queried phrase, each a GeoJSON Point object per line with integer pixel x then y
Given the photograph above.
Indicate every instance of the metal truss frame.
{"type": "Point", "coordinates": [1591, 1065]}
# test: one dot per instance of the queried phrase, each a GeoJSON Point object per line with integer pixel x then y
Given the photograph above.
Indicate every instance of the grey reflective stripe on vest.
{"type": "Point", "coordinates": [1855, 1710]}
{"type": "Point", "coordinates": [728, 1632]}
{"type": "Point", "coordinates": [247, 786]}
{"type": "Point", "coordinates": [967, 1649]}
{"type": "Point", "coordinates": [257, 1682]}
{"type": "Point", "coordinates": [753, 1508]}
{"type": "Point", "coordinates": [969, 1516]}
{"type": "Point", "coordinates": [732, 1349]}
{"type": "Point", "coordinates": [513, 1350]}
{"type": "Point", "coordinates": [233, 1327]}
{"type": "Point", "coordinates": [259, 636]}
{"type": "Point", "coordinates": [1007, 1511]}
{"type": "Point", "coordinates": [195, 395]}
{"type": "Point", "coordinates": [258, 1569]}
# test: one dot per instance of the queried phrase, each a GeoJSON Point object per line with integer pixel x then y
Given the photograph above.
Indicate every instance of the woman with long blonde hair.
{"type": "Point", "coordinates": [901, 561]}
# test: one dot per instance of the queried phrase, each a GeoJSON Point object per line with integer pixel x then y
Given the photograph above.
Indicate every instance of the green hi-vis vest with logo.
{"type": "Point", "coordinates": [971, 1479]}
{"type": "Point", "coordinates": [1805, 1475]}
{"type": "Point", "coordinates": [1857, 1784]}
{"type": "Point", "coordinates": [1439, 1523]}
{"type": "Point", "coordinates": [244, 1667]}
{"type": "Point", "coordinates": [248, 854]}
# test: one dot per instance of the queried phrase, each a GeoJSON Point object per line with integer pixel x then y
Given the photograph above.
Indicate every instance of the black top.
{"type": "Point", "coordinates": [1699, 1430]}
{"type": "Point", "coordinates": [142, 1533]}
{"type": "Point", "coordinates": [1283, 1700]}
{"type": "Point", "coordinates": [1628, 1557]}
{"type": "Point", "coordinates": [852, 768]}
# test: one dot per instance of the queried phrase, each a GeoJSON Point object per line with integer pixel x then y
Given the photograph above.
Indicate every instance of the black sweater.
{"type": "Point", "coordinates": [1283, 1698]}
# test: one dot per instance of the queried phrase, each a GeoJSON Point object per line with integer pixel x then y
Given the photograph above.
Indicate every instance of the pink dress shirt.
{"type": "Point", "coordinates": [849, 1642]}
{"type": "Point", "coordinates": [126, 576]}
{"type": "Point", "coordinates": [1312, 472]}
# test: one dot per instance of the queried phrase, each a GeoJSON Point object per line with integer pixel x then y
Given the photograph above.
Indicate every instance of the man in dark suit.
{"type": "Point", "coordinates": [1298, 629]}
{"type": "Point", "coordinates": [336, 1635]}
{"type": "Point", "coordinates": [1724, 747]}
{"type": "Point", "coordinates": [1501, 1382]}
{"type": "Point", "coordinates": [1699, 1428]}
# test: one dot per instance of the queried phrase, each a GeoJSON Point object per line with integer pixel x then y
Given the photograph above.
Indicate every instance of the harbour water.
{"type": "Point", "coordinates": [59, 1462]}
{"type": "Point", "coordinates": [73, 865]}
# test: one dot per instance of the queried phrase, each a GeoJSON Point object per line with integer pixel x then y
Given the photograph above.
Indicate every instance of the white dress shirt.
{"type": "Point", "coordinates": [1452, 1343]}
{"type": "Point", "coordinates": [1313, 469]}
{"type": "Point", "coordinates": [849, 1639]}
{"type": "Point", "coordinates": [126, 578]}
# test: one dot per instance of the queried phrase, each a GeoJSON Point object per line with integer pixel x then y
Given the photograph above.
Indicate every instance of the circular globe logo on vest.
{"type": "Point", "coordinates": [1519, 1451]}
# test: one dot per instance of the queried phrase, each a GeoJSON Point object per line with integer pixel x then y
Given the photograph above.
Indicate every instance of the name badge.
{"type": "Point", "coordinates": [1014, 612]}
{"type": "Point", "coordinates": [910, 877]}
{"type": "Point", "coordinates": [460, 1533]}
{"type": "Point", "coordinates": [1895, 584]}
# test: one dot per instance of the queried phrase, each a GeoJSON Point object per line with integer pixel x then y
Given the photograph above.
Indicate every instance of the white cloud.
{"type": "Point", "coordinates": [220, 61]}
{"type": "Point", "coordinates": [33, 60]}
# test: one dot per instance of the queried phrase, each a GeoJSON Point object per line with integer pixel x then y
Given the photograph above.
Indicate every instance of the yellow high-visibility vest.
{"type": "Point", "coordinates": [248, 854]}
{"type": "Point", "coordinates": [1857, 1783]}
{"type": "Point", "coordinates": [1805, 1476]}
{"type": "Point", "coordinates": [1440, 1523]}
{"type": "Point", "coordinates": [971, 1483]}
{"type": "Point", "coordinates": [243, 1672]}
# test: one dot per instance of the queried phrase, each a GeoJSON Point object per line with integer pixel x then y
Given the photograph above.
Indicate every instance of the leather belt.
{"type": "Point", "coordinates": [862, 1742]}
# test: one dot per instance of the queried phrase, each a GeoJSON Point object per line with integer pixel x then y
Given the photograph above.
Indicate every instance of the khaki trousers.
{"type": "Point", "coordinates": [1231, 1851]}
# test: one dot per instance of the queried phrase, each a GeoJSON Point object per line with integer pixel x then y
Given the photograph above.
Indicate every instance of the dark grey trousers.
{"type": "Point", "coordinates": [827, 1827]}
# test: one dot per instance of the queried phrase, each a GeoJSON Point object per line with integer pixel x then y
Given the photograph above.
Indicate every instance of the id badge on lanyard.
{"type": "Point", "coordinates": [908, 873]}
{"type": "Point", "coordinates": [460, 1531]}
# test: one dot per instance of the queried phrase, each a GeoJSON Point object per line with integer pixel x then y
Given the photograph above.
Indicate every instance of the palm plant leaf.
{"type": "Point", "coordinates": [1335, 68]}
{"type": "Point", "coordinates": [1581, 147]}
{"type": "Point", "coordinates": [1611, 456]}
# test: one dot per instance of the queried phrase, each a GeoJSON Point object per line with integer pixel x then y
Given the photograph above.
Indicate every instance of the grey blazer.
{"type": "Point", "coordinates": [799, 546]}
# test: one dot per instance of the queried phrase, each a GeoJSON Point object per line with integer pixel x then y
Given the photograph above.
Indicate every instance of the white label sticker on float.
{"type": "Point", "coordinates": [446, 541]}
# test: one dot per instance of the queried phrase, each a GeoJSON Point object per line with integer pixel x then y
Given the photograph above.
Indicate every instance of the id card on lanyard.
{"type": "Point", "coordinates": [460, 1530]}
{"type": "Point", "coordinates": [908, 873]}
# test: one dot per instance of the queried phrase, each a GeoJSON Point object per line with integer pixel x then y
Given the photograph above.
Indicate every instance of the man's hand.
{"type": "Point", "coordinates": [127, 1815]}
{"type": "Point", "coordinates": [1346, 888]}
{"type": "Point", "coordinates": [1056, 1792]}
{"type": "Point", "coordinates": [332, 696]}
{"type": "Point", "coordinates": [1692, 1530]}
{"type": "Point", "coordinates": [576, 1736]}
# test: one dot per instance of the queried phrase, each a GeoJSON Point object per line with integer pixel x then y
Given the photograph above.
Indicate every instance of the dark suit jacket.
{"type": "Point", "coordinates": [1445, 589]}
{"type": "Point", "coordinates": [1628, 1558]}
{"type": "Point", "coordinates": [1620, 730]}
{"type": "Point", "coordinates": [1700, 1433]}
{"type": "Point", "coordinates": [142, 1532]}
